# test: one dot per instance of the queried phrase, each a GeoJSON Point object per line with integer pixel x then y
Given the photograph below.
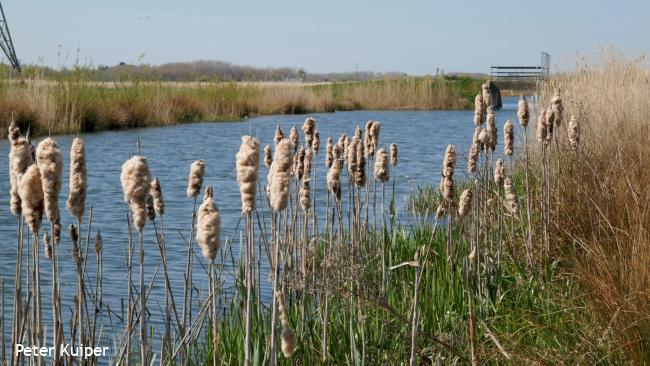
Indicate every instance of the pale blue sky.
{"type": "Point", "coordinates": [321, 36]}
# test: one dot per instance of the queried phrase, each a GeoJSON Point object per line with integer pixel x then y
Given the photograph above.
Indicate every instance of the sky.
{"type": "Point", "coordinates": [412, 36]}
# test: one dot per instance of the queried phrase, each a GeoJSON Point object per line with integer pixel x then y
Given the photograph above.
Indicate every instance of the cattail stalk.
{"type": "Point", "coordinates": [524, 116]}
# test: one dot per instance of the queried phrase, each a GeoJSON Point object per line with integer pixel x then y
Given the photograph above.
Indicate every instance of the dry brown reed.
{"type": "Point", "coordinates": [248, 165]}
{"type": "Point", "coordinates": [78, 179]}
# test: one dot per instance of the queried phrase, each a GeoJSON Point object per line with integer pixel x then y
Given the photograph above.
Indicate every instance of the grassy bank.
{"type": "Point", "coordinates": [74, 103]}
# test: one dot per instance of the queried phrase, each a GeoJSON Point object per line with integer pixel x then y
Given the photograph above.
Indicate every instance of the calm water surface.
{"type": "Point", "coordinates": [421, 136]}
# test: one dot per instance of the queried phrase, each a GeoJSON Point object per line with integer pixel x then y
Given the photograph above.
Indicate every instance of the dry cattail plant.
{"type": "Point", "coordinates": [31, 194]}
{"type": "Point", "coordinates": [441, 211]}
{"type": "Point", "coordinates": [299, 164]}
{"type": "Point", "coordinates": [508, 138]}
{"type": "Point", "coordinates": [307, 164]}
{"type": "Point", "coordinates": [279, 175]}
{"type": "Point", "coordinates": [491, 129]}
{"type": "Point", "coordinates": [381, 166]}
{"type": "Point", "coordinates": [78, 179]}
{"type": "Point", "coordinates": [305, 202]}
{"type": "Point", "coordinates": [334, 173]}
{"type": "Point", "coordinates": [268, 156]}
{"type": "Point", "coordinates": [156, 193]}
{"type": "Point", "coordinates": [20, 158]}
{"type": "Point", "coordinates": [487, 96]}
{"type": "Point", "coordinates": [558, 109]}
{"type": "Point", "coordinates": [351, 155]}
{"type": "Point", "coordinates": [74, 237]}
{"type": "Point", "coordinates": [522, 112]}
{"type": "Point", "coordinates": [573, 131]}
{"type": "Point", "coordinates": [465, 203]}
{"type": "Point", "coordinates": [195, 180]}
{"type": "Point", "coordinates": [499, 173]}
{"type": "Point", "coordinates": [136, 184]}
{"type": "Point", "coordinates": [50, 163]}
{"type": "Point", "coordinates": [478, 109]}
{"type": "Point", "coordinates": [393, 155]}
{"type": "Point", "coordinates": [279, 135]}
{"type": "Point", "coordinates": [512, 201]}
{"type": "Point", "coordinates": [308, 129]}
{"type": "Point", "coordinates": [151, 211]}
{"type": "Point", "coordinates": [541, 127]}
{"type": "Point", "coordinates": [474, 152]}
{"type": "Point", "coordinates": [328, 152]}
{"type": "Point", "coordinates": [550, 124]}
{"type": "Point", "coordinates": [449, 162]}
{"type": "Point", "coordinates": [374, 134]}
{"type": "Point", "coordinates": [316, 145]}
{"type": "Point", "coordinates": [295, 138]}
{"type": "Point", "coordinates": [288, 338]}
{"type": "Point", "coordinates": [208, 225]}
{"type": "Point", "coordinates": [447, 187]}
{"type": "Point", "coordinates": [360, 167]}
{"type": "Point", "coordinates": [47, 246]}
{"type": "Point", "coordinates": [248, 165]}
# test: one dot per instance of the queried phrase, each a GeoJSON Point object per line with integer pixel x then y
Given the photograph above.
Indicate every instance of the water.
{"type": "Point", "coordinates": [421, 136]}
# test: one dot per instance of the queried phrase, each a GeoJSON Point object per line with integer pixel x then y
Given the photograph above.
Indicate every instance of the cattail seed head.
{"type": "Point", "coordinates": [287, 338]}
{"type": "Point", "coordinates": [351, 153]}
{"type": "Point", "coordinates": [156, 193]}
{"type": "Point", "coordinates": [47, 245]}
{"type": "Point", "coordinates": [558, 109]}
{"type": "Point", "coordinates": [268, 156]}
{"type": "Point", "coordinates": [447, 187]}
{"type": "Point", "coordinates": [512, 201]}
{"type": "Point", "coordinates": [99, 242]}
{"type": "Point", "coordinates": [478, 109]}
{"type": "Point", "coordinates": [449, 162]}
{"type": "Point", "coordinates": [279, 175]}
{"type": "Point", "coordinates": [78, 179]}
{"type": "Point", "coordinates": [491, 129]}
{"type": "Point", "coordinates": [305, 202]}
{"type": "Point", "coordinates": [74, 237]}
{"type": "Point", "coordinates": [151, 211]}
{"type": "Point", "coordinates": [279, 135]}
{"type": "Point", "coordinates": [522, 112]}
{"type": "Point", "coordinates": [20, 158]}
{"type": "Point", "coordinates": [508, 138]}
{"type": "Point", "coordinates": [208, 225]}
{"type": "Point", "coordinates": [136, 184]}
{"type": "Point", "coordinates": [573, 131]}
{"type": "Point", "coordinates": [374, 135]}
{"type": "Point", "coordinates": [50, 163]}
{"type": "Point", "coordinates": [499, 173]}
{"type": "Point", "coordinates": [299, 164]}
{"type": "Point", "coordinates": [550, 124]}
{"type": "Point", "coordinates": [474, 151]}
{"type": "Point", "coordinates": [308, 157]}
{"type": "Point", "coordinates": [541, 126]}
{"type": "Point", "coordinates": [248, 166]}
{"type": "Point", "coordinates": [367, 141]}
{"type": "Point", "coordinates": [295, 138]}
{"type": "Point", "coordinates": [316, 145]}
{"type": "Point", "coordinates": [195, 180]}
{"type": "Point", "coordinates": [381, 166]}
{"type": "Point", "coordinates": [360, 170]}
{"type": "Point", "coordinates": [328, 152]}
{"type": "Point", "coordinates": [334, 173]}
{"type": "Point", "coordinates": [487, 96]}
{"type": "Point", "coordinates": [465, 203]}
{"type": "Point", "coordinates": [393, 155]}
{"type": "Point", "coordinates": [31, 194]}
{"type": "Point", "coordinates": [308, 128]}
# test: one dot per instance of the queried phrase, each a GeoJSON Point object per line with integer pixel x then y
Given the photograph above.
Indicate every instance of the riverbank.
{"type": "Point", "coordinates": [74, 104]}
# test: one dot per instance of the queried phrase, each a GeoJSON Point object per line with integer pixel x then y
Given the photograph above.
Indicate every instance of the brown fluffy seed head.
{"type": "Point", "coordinates": [316, 145]}
{"type": "Point", "coordinates": [328, 152]}
{"type": "Point", "coordinates": [136, 184]}
{"type": "Point", "coordinates": [558, 109]}
{"type": "Point", "coordinates": [511, 201]}
{"type": "Point", "coordinates": [78, 179]}
{"type": "Point", "coordinates": [248, 166]}
{"type": "Point", "coordinates": [393, 155]}
{"type": "Point", "coordinates": [74, 237]}
{"type": "Point", "coordinates": [374, 134]}
{"type": "Point", "coordinates": [491, 128]}
{"type": "Point", "coordinates": [360, 170]}
{"type": "Point", "coordinates": [99, 242]}
{"type": "Point", "coordinates": [299, 164]}
{"type": "Point", "coordinates": [381, 166]}
{"type": "Point", "coordinates": [307, 164]}
{"type": "Point", "coordinates": [541, 126]}
{"type": "Point", "coordinates": [268, 156]}
{"type": "Point", "coordinates": [449, 162]}
{"type": "Point", "coordinates": [20, 158]}
{"type": "Point", "coordinates": [522, 112]}
{"type": "Point", "coordinates": [499, 173]}
{"type": "Point", "coordinates": [334, 173]}
{"type": "Point", "coordinates": [208, 226]}
{"type": "Point", "coordinates": [151, 211]}
{"type": "Point", "coordinates": [195, 180]}
{"type": "Point", "coordinates": [474, 152]}
{"type": "Point", "coordinates": [50, 163]}
{"type": "Point", "coordinates": [31, 194]}
{"type": "Point", "coordinates": [508, 138]}
{"type": "Point", "coordinates": [287, 338]}
{"type": "Point", "coordinates": [305, 202]}
{"type": "Point", "coordinates": [465, 203]}
{"type": "Point", "coordinates": [295, 138]}
{"type": "Point", "coordinates": [351, 156]}
{"type": "Point", "coordinates": [279, 135]}
{"type": "Point", "coordinates": [573, 131]}
{"type": "Point", "coordinates": [367, 141]}
{"type": "Point", "coordinates": [487, 96]}
{"type": "Point", "coordinates": [308, 128]}
{"type": "Point", "coordinates": [158, 201]}
{"type": "Point", "coordinates": [478, 109]}
{"type": "Point", "coordinates": [47, 245]}
{"type": "Point", "coordinates": [14, 132]}
{"type": "Point", "coordinates": [447, 185]}
{"type": "Point", "coordinates": [550, 124]}
{"type": "Point", "coordinates": [279, 175]}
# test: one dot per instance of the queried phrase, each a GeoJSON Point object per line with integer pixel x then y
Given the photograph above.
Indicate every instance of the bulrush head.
{"type": "Point", "coordinates": [573, 130]}
{"type": "Point", "coordinates": [487, 96]}
{"type": "Point", "coordinates": [316, 145]}
{"type": "Point", "coordinates": [78, 179]}
{"type": "Point", "coordinates": [465, 203]}
{"type": "Point", "coordinates": [279, 175]}
{"type": "Point", "coordinates": [99, 242]}
{"type": "Point", "coordinates": [381, 166]}
{"type": "Point", "coordinates": [305, 202]}
{"type": "Point", "coordinates": [248, 166]}
{"type": "Point", "coordinates": [308, 129]}
{"type": "Point", "coordinates": [474, 152]}
{"type": "Point", "coordinates": [499, 173]}
{"type": "Point", "coordinates": [307, 164]}
{"type": "Point", "coordinates": [449, 162]}
{"type": "Point", "coordinates": [287, 338]}
{"type": "Point", "coordinates": [367, 141]}
{"type": "Point", "coordinates": [522, 112]}
{"type": "Point", "coordinates": [541, 126]}
{"type": "Point", "coordinates": [156, 193]}
{"type": "Point", "coordinates": [195, 180]}
{"type": "Point", "coordinates": [343, 143]}
{"type": "Point", "coordinates": [268, 156]}
{"type": "Point", "coordinates": [491, 129]}
{"type": "Point", "coordinates": [20, 158]}
{"type": "Point", "coordinates": [550, 124]}
{"type": "Point", "coordinates": [558, 109]}
{"type": "Point", "coordinates": [447, 187]}
{"type": "Point", "coordinates": [360, 168]}
{"type": "Point", "coordinates": [136, 184]}
{"type": "Point", "coordinates": [208, 225]}
{"type": "Point", "coordinates": [295, 138]}
{"type": "Point", "coordinates": [508, 138]}
{"type": "Point", "coordinates": [50, 163]}
{"type": "Point", "coordinates": [478, 110]}
{"type": "Point", "coordinates": [351, 156]}
{"type": "Point", "coordinates": [328, 152]}
{"type": "Point", "coordinates": [393, 155]}
{"type": "Point", "coordinates": [30, 189]}
{"type": "Point", "coordinates": [151, 210]}
{"type": "Point", "coordinates": [374, 134]}
{"type": "Point", "coordinates": [74, 237]}
{"type": "Point", "coordinates": [299, 164]}
{"type": "Point", "coordinates": [334, 173]}
{"type": "Point", "coordinates": [279, 135]}
{"type": "Point", "coordinates": [47, 246]}
{"type": "Point", "coordinates": [512, 201]}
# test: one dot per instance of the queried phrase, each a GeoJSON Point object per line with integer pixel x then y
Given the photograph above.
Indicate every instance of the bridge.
{"type": "Point", "coordinates": [523, 73]}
